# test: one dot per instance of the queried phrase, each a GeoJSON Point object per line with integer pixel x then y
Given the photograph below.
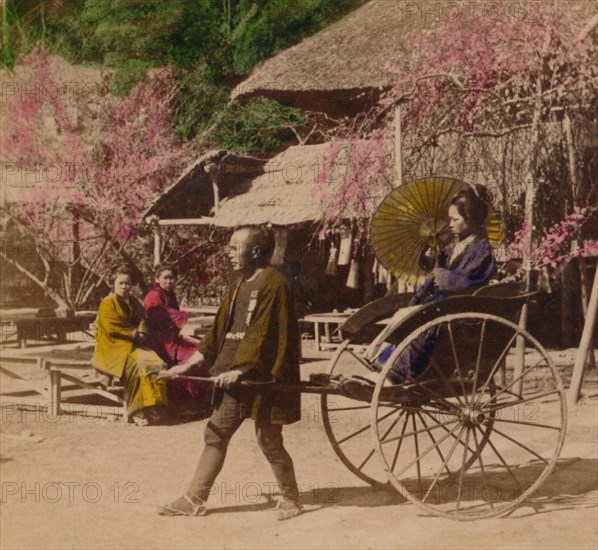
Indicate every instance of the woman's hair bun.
{"type": "Point", "coordinates": [482, 193]}
{"type": "Point", "coordinates": [473, 203]}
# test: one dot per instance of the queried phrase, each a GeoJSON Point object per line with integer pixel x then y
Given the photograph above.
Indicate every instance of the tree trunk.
{"type": "Point", "coordinates": [398, 146]}
{"type": "Point", "coordinates": [61, 302]}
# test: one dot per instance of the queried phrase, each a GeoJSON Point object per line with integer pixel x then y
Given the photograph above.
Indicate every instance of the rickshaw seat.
{"type": "Point", "coordinates": [385, 307]}
{"type": "Point", "coordinates": [508, 308]}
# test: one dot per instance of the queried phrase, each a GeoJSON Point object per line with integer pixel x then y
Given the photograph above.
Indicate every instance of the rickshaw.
{"type": "Point", "coordinates": [479, 429]}
{"type": "Point", "coordinates": [474, 434]}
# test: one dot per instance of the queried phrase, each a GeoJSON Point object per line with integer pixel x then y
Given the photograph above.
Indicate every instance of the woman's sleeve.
{"type": "Point", "coordinates": [113, 324]}
{"type": "Point", "coordinates": [160, 316]}
{"type": "Point", "coordinates": [476, 266]}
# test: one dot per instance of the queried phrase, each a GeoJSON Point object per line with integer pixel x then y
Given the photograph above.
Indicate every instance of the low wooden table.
{"type": "Point", "coordinates": [326, 319]}
{"type": "Point", "coordinates": [33, 327]}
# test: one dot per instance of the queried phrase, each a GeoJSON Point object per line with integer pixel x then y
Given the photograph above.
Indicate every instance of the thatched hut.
{"type": "Point", "coordinates": [224, 190]}
{"type": "Point", "coordinates": [341, 70]}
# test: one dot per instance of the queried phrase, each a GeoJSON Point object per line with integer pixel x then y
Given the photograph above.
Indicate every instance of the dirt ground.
{"type": "Point", "coordinates": [93, 483]}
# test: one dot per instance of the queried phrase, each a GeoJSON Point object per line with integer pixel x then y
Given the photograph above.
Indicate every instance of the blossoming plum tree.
{"type": "Point", "coordinates": [97, 170]}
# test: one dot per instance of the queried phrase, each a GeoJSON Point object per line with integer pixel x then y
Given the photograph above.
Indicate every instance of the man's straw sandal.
{"type": "Point", "coordinates": [183, 506]}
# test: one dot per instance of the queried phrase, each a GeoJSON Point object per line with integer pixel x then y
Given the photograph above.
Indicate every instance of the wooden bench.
{"type": "Point", "coordinates": [59, 371]}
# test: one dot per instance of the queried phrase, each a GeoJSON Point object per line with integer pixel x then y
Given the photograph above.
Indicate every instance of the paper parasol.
{"type": "Point", "coordinates": [414, 216]}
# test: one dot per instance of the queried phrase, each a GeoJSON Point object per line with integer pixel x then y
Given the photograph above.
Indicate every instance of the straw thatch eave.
{"type": "Point", "coordinates": [191, 195]}
{"type": "Point", "coordinates": [284, 194]}
{"type": "Point", "coordinates": [345, 64]}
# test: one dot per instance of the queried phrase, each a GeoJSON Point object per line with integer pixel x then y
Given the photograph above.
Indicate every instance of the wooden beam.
{"type": "Point", "coordinates": [157, 244]}
{"type": "Point", "coordinates": [206, 220]}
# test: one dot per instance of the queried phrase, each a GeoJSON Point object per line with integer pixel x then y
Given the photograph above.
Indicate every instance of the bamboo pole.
{"type": "Point", "coordinates": [398, 146]}
{"type": "Point", "coordinates": [584, 345]}
{"type": "Point", "coordinates": [530, 194]}
{"type": "Point", "coordinates": [157, 243]}
{"type": "Point", "coordinates": [5, 44]}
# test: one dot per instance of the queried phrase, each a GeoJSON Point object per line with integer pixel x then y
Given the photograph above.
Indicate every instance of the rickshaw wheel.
{"type": "Point", "coordinates": [346, 420]}
{"type": "Point", "coordinates": [491, 429]}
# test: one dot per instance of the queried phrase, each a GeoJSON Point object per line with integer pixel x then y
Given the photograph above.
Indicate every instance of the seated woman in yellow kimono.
{"type": "Point", "coordinates": [119, 351]}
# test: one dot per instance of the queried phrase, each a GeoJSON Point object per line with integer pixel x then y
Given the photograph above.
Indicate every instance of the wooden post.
{"type": "Point", "coordinates": [584, 345]}
{"type": "Point", "coordinates": [398, 147]}
{"type": "Point", "coordinates": [157, 243]}
{"type": "Point", "coordinates": [575, 192]}
{"type": "Point", "coordinates": [584, 284]}
{"type": "Point", "coordinates": [154, 222]}
{"type": "Point", "coordinates": [55, 390]}
{"type": "Point", "coordinates": [213, 169]}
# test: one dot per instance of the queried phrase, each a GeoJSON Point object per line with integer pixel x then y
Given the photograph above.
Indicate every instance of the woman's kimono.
{"type": "Point", "coordinates": [164, 320]}
{"type": "Point", "coordinates": [471, 266]}
{"type": "Point", "coordinates": [118, 352]}
{"type": "Point", "coordinates": [467, 267]}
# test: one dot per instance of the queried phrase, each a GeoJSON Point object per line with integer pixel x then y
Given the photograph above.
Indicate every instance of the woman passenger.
{"type": "Point", "coordinates": [468, 262]}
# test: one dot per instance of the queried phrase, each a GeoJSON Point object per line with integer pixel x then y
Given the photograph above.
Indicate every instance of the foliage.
{"type": "Point", "coordinates": [204, 269]}
{"type": "Point", "coordinates": [24, 24]}
{"type": "Point", "coordinates": [212, 44]}
{"type": "Point", "coordinates": [363, 180]}
{"type": "Point", "coordinates": [104, 181]}
{"type": "Point", "coordinates": [258, 126]}
{"type": "Point", "coordinates": [277, 25]}
{"type": "Point", "coordinates": [487, 75]}
{"type": "Point", "coordinates": [199, 99]}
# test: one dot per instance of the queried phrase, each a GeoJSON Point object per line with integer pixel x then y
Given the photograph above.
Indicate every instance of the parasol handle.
{"type": "Point", "coordinates": [436, 246]}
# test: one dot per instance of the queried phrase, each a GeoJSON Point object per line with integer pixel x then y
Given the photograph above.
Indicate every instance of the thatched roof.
{"type": "Point", "coordinates": [191, 195]}
{"type": "Point", "coordinates": [280, 191]}
{"type": "Point", "coordinates": [346, 61]}
{"type": "Point", "coordinates": [284, 193]}
{"type": "Point", "coordinates": [341, 70]}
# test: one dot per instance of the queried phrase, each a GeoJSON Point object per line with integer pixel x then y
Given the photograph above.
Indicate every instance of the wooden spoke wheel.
{"type": "Point", "coordinates": [347, 421]}
{"type": "Point", "coordinates": [485, 423]}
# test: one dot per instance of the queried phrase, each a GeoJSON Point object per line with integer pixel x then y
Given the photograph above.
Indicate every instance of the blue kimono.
{"type": "Point", "coordinates": [469, 268]}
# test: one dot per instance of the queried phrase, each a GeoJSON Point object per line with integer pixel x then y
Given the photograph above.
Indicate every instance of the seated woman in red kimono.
{"type": "Point", "coordinates": [122, 350]}
{"type": "Point", "coordinates": [165, 320]}
{"type": "Point", "coordinates": [466, 263]}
